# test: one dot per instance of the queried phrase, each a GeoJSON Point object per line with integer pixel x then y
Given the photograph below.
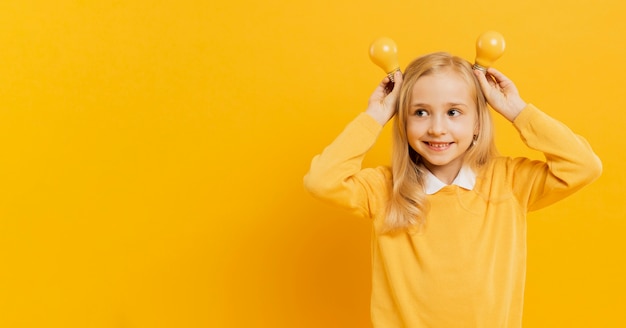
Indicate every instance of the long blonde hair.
{"type": "Point", "coordinates": [408, 205]}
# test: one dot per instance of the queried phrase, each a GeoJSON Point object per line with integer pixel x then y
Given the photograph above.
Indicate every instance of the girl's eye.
{"type": "Point", "coordinates": [421, 112]}
{"type": "Point", "coordinates": [454, 112]}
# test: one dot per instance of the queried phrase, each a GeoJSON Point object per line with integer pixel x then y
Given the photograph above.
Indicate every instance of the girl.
{"type": "Point", "coordinates": [449, 215]}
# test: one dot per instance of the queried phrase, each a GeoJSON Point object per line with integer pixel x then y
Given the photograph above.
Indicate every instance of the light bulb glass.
{"type": "Point", "coordinates": [384, 53]}
{"type": "Point", "coordinates": [489, 47]}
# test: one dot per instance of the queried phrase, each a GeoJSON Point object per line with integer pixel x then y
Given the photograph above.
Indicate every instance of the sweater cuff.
{"type": "Point", "coordinates": [369, 123]}
{"type": "Point", "coordinates": [525, 117]}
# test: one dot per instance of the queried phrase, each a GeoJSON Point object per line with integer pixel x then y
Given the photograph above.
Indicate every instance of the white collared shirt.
{"type": "Point", "coordinates": [466, 179]}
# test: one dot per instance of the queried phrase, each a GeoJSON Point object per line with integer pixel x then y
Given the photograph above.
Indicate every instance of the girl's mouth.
{"type": "Point", "coordinates": [438, 146]}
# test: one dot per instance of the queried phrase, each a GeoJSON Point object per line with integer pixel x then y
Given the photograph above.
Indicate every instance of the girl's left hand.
{"type": "Point", "coordinates": [501, 93]}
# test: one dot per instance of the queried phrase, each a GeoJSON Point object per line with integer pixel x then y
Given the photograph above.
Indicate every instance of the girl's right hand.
{"type": "Point", "coordinates": [501, 93]}
{"type": "Point", "coordinates": [382, 103]}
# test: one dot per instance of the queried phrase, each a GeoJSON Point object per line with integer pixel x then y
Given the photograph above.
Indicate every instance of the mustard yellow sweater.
{"type": "Point", "coordinates": [467, 267]}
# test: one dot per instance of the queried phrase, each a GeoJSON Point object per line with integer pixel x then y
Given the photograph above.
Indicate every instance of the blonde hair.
{"type": "Point", "coordinates": [408, 205]}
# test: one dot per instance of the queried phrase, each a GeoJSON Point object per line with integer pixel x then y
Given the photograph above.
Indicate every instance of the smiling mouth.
{"type": "Point", "coordinates": [438, 145]}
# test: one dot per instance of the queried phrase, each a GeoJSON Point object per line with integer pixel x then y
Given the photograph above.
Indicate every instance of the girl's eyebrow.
{"type": "Point", "coordinates": [450, 104]}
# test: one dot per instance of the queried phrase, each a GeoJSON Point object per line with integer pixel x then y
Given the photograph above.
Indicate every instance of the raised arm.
{"type": "Point", "coordinates": [570, 162]}
{"type": "Point", "coordinates": [336, 174]}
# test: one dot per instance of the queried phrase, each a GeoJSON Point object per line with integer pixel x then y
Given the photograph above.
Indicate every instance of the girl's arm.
{"type": "Point", "coordinates": [336, 175]}
{"type": "Point", "coordinates": [570, 162]}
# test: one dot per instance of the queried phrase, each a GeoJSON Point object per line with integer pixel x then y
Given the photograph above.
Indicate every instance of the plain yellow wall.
{"type": "Point", "coordinates": [152, 154]}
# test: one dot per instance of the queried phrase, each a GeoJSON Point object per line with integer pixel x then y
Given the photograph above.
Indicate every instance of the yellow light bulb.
{"type": "Point", "coordinates": [384, 53]}
{"type": "Point", "coordinates": [489, 47]}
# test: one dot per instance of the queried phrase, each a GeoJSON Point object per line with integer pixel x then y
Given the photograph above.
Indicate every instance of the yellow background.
{"type": "Point", "coordinates": [152, 154]}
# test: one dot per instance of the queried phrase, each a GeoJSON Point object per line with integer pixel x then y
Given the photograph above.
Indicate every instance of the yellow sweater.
{"type": "Point", "coordinates": [467, 267]}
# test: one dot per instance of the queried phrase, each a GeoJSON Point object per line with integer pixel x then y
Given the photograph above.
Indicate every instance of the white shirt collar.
{"type": "Point", "coordinates": [465, 179]}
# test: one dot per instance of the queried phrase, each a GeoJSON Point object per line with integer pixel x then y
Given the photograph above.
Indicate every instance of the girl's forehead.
{"type": "Point", "coordinates": [447, 81]}
{"type": "Point", "coordinates": [446, 74]}
{"type": "Point", "coordinates": [441, 88]}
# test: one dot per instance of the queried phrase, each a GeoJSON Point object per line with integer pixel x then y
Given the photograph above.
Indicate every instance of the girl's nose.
{"type": "Point", "coordinates": [437, 126]}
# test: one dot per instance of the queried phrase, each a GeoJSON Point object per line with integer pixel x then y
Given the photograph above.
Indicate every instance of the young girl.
{"type": "Point", "coordinates": [449, 215]}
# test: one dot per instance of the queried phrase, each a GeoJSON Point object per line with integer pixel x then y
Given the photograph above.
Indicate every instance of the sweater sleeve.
{"type": "Point", "coordinates": [570, 162]}
{"type": "Point", "coordinates": [336, 175]}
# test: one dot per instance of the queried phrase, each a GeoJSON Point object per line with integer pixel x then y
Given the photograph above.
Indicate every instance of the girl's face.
{"type": "Point", "coordinates": [442, 122]}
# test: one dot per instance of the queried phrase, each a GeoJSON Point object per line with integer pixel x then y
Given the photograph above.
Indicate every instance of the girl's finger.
{"type": "Point", "coordinates": [482, 80]}
{"type": "Point", "coordinates": [497, 75]}
{"type": "Point", "coordinates": [397, 77]}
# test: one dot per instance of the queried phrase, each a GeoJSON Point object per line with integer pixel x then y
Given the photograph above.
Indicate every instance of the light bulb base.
{"type": "Point", "coordinates": [392, 73]}
{"type": "Point", "coordinates": [480, 68]}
